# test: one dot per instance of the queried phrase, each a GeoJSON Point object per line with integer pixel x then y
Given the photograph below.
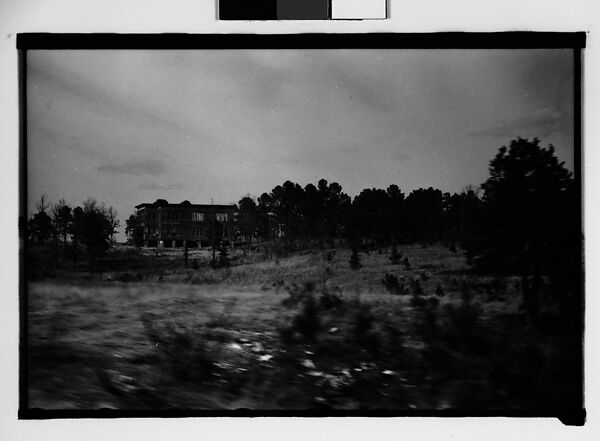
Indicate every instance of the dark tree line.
{"type": "Point", "coordinates": [375, 217]}
{"type": "Point", "coordinates": [90, 227]}
{"type": "Point", "coordinates": [525, 220]}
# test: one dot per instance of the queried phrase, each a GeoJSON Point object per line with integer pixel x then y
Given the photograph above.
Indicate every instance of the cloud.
{"type": "Point", "coordinates": [540, 124]}
{"type": "Point", "coordinates": [136, 168]}
{"type": "Point", "coordinates": [67, 81]}
{"type": "Point", "coordinates": [160, 186]}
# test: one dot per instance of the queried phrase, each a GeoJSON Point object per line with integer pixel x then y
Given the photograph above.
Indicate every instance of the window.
{"type": "Point", "coordinates": [221, 217]}
{"type": "Point", "coordinates": [197, 217]}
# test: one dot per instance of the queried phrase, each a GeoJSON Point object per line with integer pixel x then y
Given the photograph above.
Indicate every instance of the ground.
{"type": "Point", "coordinates": [293, 330]}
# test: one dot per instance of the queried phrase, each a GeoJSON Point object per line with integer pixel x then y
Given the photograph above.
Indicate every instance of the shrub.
{"type": "Point", "coordinates": [298, 294]}
{"type": "Point", "coordinates": [417, 293]}
{"type": "Point", "coordinates": [183, 354]}
{"type": "Point", "coordinates": [224, 319]}
{"type": "Point", "coordinates": [395, 256]}
{"type": "Point", "coordinates": [426, 318]}
{"type": "Point", "coordinates": [363, 329]}
{"type": "Point", "coordinates": [406, 263]}
{"type": "Point", "coordinates": [355, 260]}
{"type": "Point", "coordinates": [329, 300]}
{"type": "Point", "coordinates": [417, 289]}
{"type": "Point", "coordinates": [392, 284]}
{"type": "Point", "coordinates": [306, 323]}
{"type": "Point", "coordinates": [463, 330]}
{"type": "Point", "coordinates": [439, 291]}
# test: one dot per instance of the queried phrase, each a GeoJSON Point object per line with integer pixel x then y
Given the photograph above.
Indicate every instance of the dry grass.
{"type": "Point", "coordinates": [205, 338]}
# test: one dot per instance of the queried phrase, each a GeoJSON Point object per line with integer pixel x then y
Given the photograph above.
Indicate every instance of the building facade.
{"type": "Point", "coordinates": [185, 224]}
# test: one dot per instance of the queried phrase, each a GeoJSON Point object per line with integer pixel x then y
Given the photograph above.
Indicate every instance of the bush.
{"type": "Point", "coordinates": [439, 291]}
{"type": "Point", "coordinates": [306, 323]}
{"type": "Point", "coordinates": [298, 294]}
{"type": "Point", "coordinates": [363, 330]}
{"type": "Point", "coordinates": [183, 354]}
{"type": "Point", "coordinates": [355, 260]}
{"type": "Point", "coordinates": [406, 263]}
{"type": "Point", "coordinates": [224, 257]}
{"type": "Point", "coordinates": [417, 293]}
{"type": "Point", "coordinates": [463, 330]}
{"type": "Point", "coordinates": [329, 300]}
{"type": "Point", "coordinates": [426, 317]}
{"type": "Point", "coordinates": [395, 256]}
{"type": "Point", "coordinates": [392, 284]}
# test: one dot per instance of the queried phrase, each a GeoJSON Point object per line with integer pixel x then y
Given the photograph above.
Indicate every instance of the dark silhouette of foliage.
{"type": "Point", "coordinates": [395, 256]}
{"type": "Point", "coordinates": [439, 291]}
{"type": "Point", "coordinates": [463, 217]}
{"type": "Point", "coordinates": [62, 219]}
{"type": "Point", "coordinates": [530, 224]}
{"type": "Point", "coordinates": [92, 228]}
{"type": "Point", "coordinates": [214, 232]}
{"type": "Point", "coordinates": [40, 227]}
{"type": "Point", "coordinates": [424, 208]}
{"type": "Point", "coordinates": [224, 257]}
{"type": "Point", "coordinates": [247, 218]}
{"type": "Point", "coordinates": [134, 231]}
{"type": "Point", "coordinates": [406, 263]}
{"type": "Point", "coordinates": [392, 284]}
{"type": "Point", "coordinates": [369, 220]}
{"type": "Point", "coordinates": [355, 260]}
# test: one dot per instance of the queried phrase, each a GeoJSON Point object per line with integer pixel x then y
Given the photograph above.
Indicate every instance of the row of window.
{"type": "Point", "coordinates": [174, 231]}
{"type": "Point", "coordinates": [196, 217]}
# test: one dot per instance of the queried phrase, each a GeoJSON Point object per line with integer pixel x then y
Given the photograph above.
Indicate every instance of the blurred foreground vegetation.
{"type": "Point", "coordinates": [411, 327]}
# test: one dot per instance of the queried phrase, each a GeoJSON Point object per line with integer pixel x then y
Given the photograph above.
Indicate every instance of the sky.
{"type": "Point", "coordinates": [127, 127]}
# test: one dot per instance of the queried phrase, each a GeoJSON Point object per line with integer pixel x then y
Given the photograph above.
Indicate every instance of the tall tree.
{"type": "Point", "coordinates": [214, 232]}
{"type": "Point", "coordinates": [40, 225]}
{"type": "Point", "coordinates": [334, 208]}
{"type": "Point", "coordinates": [530, 225]}
{"type": "Point", "coordinates": [396, 213]}
{"type": "Point", "coordinates": [312, 214]}
{"type": "Point", "coordinates": [266, 214]}
{"type": "Point", "coordinates": [62, 218]}
{"type": "Point", "coordinates": [424, 211]}
{"type": "Point", "coordinates": [368, 220]}
{"type": "Point", "coordinates": [113, 222]}
{"type": "Point", "coordinates": [286, 203]}
{"type": "Point", "coordinates": [134, 231]}
{"type": "Point", "coordinates": [463, 217]}
{"type": "Point", "coordinates": [91, 228]}
{"type": "Point", "coordinates": [247, 218]}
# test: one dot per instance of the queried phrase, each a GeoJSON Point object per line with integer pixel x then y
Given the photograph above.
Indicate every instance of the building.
{"type": "Point", "coordinates": [178, 225]}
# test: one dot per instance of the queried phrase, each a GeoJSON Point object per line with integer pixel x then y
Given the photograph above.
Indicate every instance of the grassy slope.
{"type": "Point", "coordinates": [213, 338]}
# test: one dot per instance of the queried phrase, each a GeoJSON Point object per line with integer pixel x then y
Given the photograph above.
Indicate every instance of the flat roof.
{"type": "Point", "coordinates": [184, 205]}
